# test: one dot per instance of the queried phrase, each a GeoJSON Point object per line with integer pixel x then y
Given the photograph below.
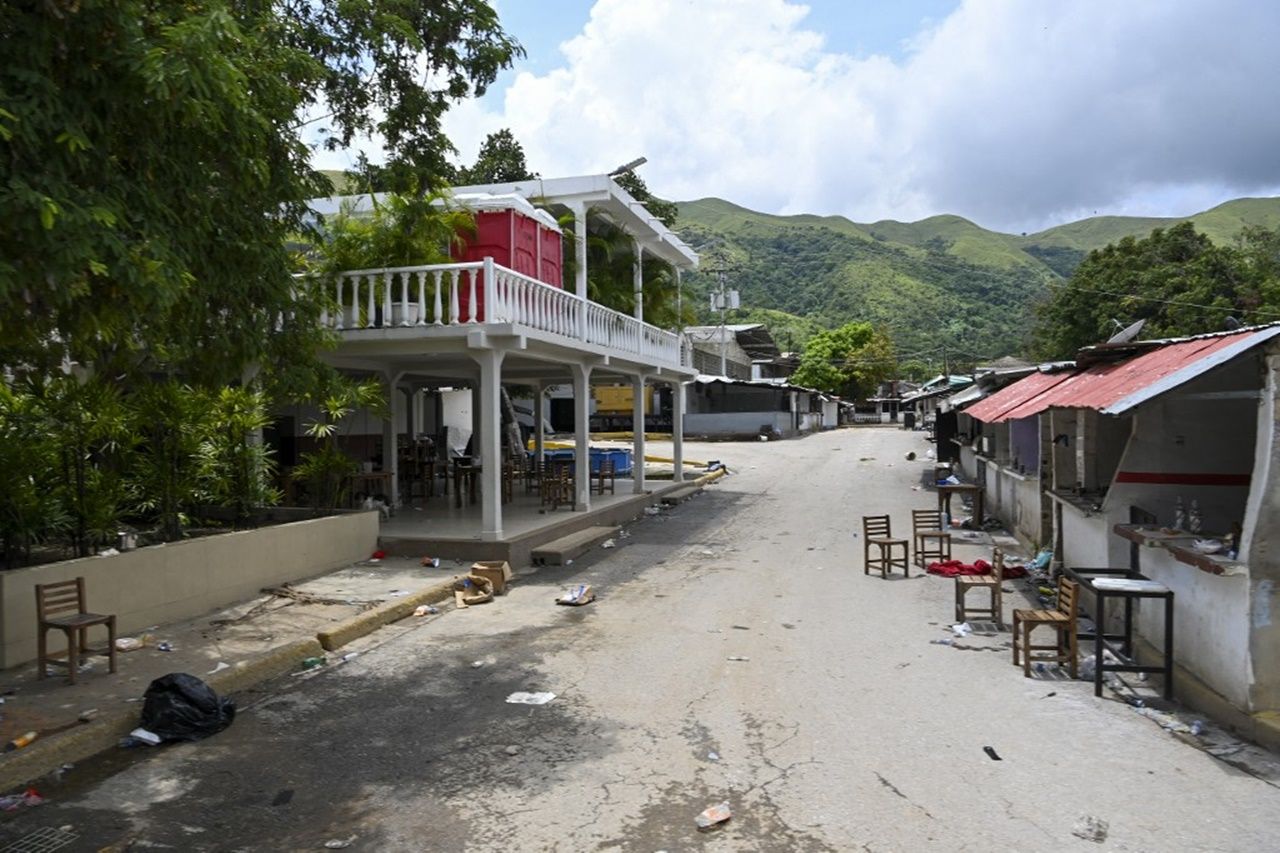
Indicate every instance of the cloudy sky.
{"type": "Point", "coordinates": [1018, 114]}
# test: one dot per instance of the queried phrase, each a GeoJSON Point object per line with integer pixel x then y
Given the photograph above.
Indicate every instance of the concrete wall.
{"type": "Point", "coordinates": [167, 583]}
{"type": "Point", "coordinates": [1210, 623]}
{"type": "Point", "coordinates": [1087, 540]}
{"type": "Point", "coordinates": [736, 423]}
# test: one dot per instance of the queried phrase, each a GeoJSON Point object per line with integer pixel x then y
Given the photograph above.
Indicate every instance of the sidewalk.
{"type": "Point", "coordinates": [205, 645]}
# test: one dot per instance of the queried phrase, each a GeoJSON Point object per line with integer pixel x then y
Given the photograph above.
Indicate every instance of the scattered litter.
{"type": "Point", "coordinates": [378, 555]}
{"type": "Point", "coordinates": [964, 629]}
{"type": "Point", "coordinates": [129, 644]}
{"type": "Point", "coordinates": [521, 697]}
{"type": "Point", "coordinates": [608, 543]}
{"type": "Point", "coordinates": [713, 756]}
{"type": "Point", "coordinates": [991, 753]}
{"type": "Point", "coordinates": [21, 741]}
{"type": "Point", "coordinates": [472, 589]}
{"type": "Point", "coordinates": [430, 562]}
{"type": "Point", "coordinates": [108, 552]}
{"type": "Point", "coordinates": [219, 668]}
{"type": "Point", "coordinates": [1091, 828]}
{"type": "Point", "coordinates": [1197, 728]}
{"type": "Point", "coordinates": [87, 716]}
{"type": "Point", "coordinates": [911, 456]}
{"type": "Point", "coordinates": [512, 750]}
{"type": "Point", "coordinates": [476, 664]}
{"type": "Point", "coordinates": [866, 459]}
{"type": "Point", "coordinates": [713, 816]}
{"type": "Point", "coordinates": [741, 627]}
{"type": "Point", "coordinates": [737, 658]}
{"type": "Point", "coordinates": [624, 534]}
{"type": "Point", "coordinates": [349, 655]}
{"type": "Point", "coordinates": [312, 663]}
{"type": "Point", "coordinates": [13, 802]}
{"type": "Point", "coordinates": [164, 646]}
{"type": "Point", "coordinates": [945, 642]}
{"type": "Point", "coordinates": [179, 706]}
{"type": "Point", "coordinates": [577, 595]}
{"type": "Point", "coordinates": [1049, 695]}
{"type": "Point", "coordinates": [143, 735]}
{"type": "Point", "coordinates": [339, 843]}
{"type": "Point", "coordinates": [651, 510]}
{"type": "Point", "coordinates": [398, 593]}
{"type": "Point", "coordinates": [425, 610]}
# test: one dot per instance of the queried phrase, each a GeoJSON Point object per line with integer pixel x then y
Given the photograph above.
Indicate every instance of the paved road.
{"type": "Point", "coordinates": [845, 729]}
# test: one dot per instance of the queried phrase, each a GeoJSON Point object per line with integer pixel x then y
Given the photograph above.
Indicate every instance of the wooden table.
{"type": "Point", "coordinates": [945, 491]}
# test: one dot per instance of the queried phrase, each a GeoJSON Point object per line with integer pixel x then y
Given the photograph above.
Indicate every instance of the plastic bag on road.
{"type": "Point", "coordinates": [179, 706]}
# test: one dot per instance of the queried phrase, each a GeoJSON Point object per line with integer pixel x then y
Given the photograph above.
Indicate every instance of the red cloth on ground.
{"type": "Point", "coordinates": [952, 568]}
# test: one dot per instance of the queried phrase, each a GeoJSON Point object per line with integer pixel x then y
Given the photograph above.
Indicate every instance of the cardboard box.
{"type": "Point", "coordinates": [497, 572]}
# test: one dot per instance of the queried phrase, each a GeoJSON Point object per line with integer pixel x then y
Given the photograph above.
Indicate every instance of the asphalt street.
{"type": "Point", "coordinates": [736, 653]}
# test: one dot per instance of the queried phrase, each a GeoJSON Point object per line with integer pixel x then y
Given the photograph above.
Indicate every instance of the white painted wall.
{"type": "Point", "coordinates": [1210, 623]}
{"type": "Point", "coordinates": [736, 423]}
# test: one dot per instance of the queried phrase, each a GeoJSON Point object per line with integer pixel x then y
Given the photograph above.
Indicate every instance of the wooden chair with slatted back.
{"type": "Point", "coordinates": [930, 542]}
{"type": "Point", "coordinates": [991, 583]}
{"type": "Point", "coordinates": [1062, 618]}
{"type": "Point", "coordinates": [61, 607]}
{"type": "Point", "coordinates": [877, 532]}
{"type": "Point", "coordinates": [605, 475]}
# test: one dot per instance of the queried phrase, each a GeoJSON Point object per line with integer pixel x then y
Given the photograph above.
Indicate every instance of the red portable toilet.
{"type": "Point", "coordinates": [516, 235]}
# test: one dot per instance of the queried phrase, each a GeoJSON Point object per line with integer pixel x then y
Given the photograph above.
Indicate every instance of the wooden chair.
{"type": "Point", "coordinates": [60, 607]}
{"type": "Point", "coordinates": [1062, 618]}
{"type": "Point", "coordinates": [557, 487]}
{"type": "Point", "coordinates": [606, 473]}
{"type": "Point", "coordinates": [876, 532]}
{"type": "Point", "coordinates": [929, 540]}
{"type": "Point", "coordinates": [991, 583]}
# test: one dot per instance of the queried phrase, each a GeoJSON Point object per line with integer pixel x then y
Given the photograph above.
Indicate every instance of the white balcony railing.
{"type": "Point", "coordinates": [476, 293]}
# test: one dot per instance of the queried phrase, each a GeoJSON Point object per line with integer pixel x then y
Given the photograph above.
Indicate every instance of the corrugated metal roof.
{"type": "Point", "coordinates": [1116, 387]}
{"type": "Point", "coordinates": [994, 409]}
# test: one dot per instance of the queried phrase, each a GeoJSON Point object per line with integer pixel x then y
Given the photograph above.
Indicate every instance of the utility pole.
{"type": "Point", "coordinates": [722, 300]}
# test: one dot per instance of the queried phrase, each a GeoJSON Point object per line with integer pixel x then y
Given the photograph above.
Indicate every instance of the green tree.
{"type": "Point", "coordinates": [152, 166]}
{"type": "Point", "coordinates": [500, 161]}
{"type": "Point", "coordinates": [849, 361]}
{"type": "Point", "coordinates": [1176, 279]}
{"type": "Point", "coordinates": [667, 212]}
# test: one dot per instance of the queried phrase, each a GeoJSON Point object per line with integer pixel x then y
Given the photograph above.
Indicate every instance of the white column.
{"type": "Point", "coordinates": [488, 441]}
{"type": "Point", "coordinates": [637, 432]}
{"type": "Point", "coordinates": [579, 210]}
{"type": "Point", "coordinates": [637, 277]}
{"type": "Point", "coordinates": [581, 433]}
{"type": "Point", "coordinates": [677, 429]}
{"type": "Point", "coordinates": [390, 432]}
{"type": "Point", "coordinates": [539, 423]}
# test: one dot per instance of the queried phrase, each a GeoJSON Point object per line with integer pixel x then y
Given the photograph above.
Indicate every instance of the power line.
{"type": "Point", "coordinates": [1179, 302]}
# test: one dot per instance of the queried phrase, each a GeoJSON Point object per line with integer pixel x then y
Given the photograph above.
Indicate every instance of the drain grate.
{"type": "Point", "coordinates": [44, 840]}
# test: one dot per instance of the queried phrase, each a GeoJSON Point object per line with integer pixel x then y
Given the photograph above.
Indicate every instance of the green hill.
{"type": "Point", "coordinates": [942, 280]}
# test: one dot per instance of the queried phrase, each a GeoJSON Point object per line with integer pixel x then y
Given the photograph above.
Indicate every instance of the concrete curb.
{"type": "Point", "coordinates": [393, 611]}
{"type": "Point", "coordinates": [711, 478]}
{"type": "Point", "coordinates": [76, 745]}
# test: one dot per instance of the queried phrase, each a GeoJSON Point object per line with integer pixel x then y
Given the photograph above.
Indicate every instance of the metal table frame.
{"type": "Point", "coordinates": [1103, 641]}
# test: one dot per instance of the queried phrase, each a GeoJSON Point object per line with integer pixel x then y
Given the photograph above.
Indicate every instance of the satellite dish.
{"type": "Point", "coordinates": [1128, 333]}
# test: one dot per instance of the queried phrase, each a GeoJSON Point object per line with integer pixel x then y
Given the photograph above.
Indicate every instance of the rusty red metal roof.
{"type": "Point", "coordinates": [1113, 388]}
{"type": "Point", "coordinates": [994, 409]}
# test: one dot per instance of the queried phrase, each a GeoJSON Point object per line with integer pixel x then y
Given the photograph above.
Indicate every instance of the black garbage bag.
{"type": "Point", "coordinates": [178, 706]}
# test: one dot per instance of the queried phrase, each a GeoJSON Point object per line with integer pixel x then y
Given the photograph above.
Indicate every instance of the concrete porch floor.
{"type": "Point", "coordinates": [434, 527]}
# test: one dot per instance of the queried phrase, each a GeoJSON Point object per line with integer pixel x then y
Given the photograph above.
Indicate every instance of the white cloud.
{"type": "Point", "coordinates": [1015, 114]}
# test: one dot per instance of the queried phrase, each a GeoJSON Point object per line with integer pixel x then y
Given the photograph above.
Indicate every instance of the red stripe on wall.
{"type": "Point", "coordinates": [1171, 479]}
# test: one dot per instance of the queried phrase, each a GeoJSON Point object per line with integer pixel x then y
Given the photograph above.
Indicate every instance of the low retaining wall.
{"type": "Point", "coordinates": [179, 580]}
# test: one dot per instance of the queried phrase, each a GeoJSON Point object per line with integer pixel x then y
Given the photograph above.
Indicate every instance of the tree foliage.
{"type": "Point", "coordinates": [1176, 279]}
{"type": "Point", "coordinates": [500, 161]}
{"type": "Point", "coordinates": [152, 168]}
{"type": "Point", "coordinates": [667, 212]}
{"type": "Point", "coordinates": [851, 360]}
